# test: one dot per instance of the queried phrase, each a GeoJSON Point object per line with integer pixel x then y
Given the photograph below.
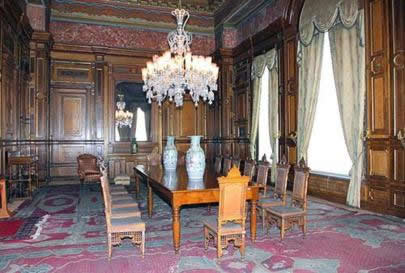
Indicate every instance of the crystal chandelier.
{"type": "Point", "coordinates": [177, 70]}
{"type": "Point", "coordinates": [122, 118]}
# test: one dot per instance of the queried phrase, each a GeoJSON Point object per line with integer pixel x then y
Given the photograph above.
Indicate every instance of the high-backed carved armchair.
{"type": "Point", "coordinates": [88, 168]}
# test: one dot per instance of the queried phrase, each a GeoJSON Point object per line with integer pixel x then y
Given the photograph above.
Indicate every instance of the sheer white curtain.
{"type": "Point", "coordinates": [327, 129]}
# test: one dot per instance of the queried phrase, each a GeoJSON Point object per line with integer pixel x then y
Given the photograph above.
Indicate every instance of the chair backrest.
{"type": "Point", "coordinates": [107, 199]}
{"type": "Point", "coordinates": [280, 188]}
{"type": "Point", "coordinates": [154, 158]}
{"type": "Point", "coordinates": [236, 162]}
{"type": "Point", "coordinates": [262, 174]}
{"type": "Point", "coordinates": [299, 195]}
{"type": "Point", "coordinates": [181, 158]}
{"type": "Point", "coordinates": [87, 162]}
{"type": "Point", "coordinates": [227, 165]}
{"type": "Point", "coordinates": [218, 164]}
{"type": "Point", "coordinates": [232, 197]}
{"type": "Point", "coordinates": [249, 168]}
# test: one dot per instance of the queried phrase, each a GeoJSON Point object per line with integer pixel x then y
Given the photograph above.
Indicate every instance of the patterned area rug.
{"type": "Point", "coordinates": [72, 238]}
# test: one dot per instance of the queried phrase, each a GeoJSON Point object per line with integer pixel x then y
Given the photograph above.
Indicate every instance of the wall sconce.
{"type": "Point", "coordinates": [401, 136]}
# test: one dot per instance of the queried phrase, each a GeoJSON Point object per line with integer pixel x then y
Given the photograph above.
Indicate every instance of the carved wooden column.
{"type": "Point", "coordinates": [39, 97]}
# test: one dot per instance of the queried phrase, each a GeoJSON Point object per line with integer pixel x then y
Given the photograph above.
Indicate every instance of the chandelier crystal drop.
{"type": "Point", "coordinates": [122, 117]}
{"type": "Point", "coordinates": [177, 70]}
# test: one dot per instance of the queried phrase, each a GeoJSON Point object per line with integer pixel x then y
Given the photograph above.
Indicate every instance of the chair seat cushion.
{"type": "Point", "coordinates": [125, 212]}
{"type": "Point", "coordinates": [127, 224]}
{"type": "Point", "coordinates": [285, 211]}
{"type": "Point", "coordinates": [123, 203]}
{"type": "Point", "coordinates": [228, 228]}
{"type": "Point", "coordinates": [269, 202]}
{"type": "Point", "coordinates": [92, 172]}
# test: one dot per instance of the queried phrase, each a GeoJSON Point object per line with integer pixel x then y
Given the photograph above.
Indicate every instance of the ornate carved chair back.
{"type": "Point", "coordinates": [262, 174]}
{"type": "Point", "coordinates": [88, 169]}
{"type": "Point", "coordinates": [227, 165]}
{"type": "Point", "coordinates": [218, 164]}
{"type": "Point", "coordinates": [249, 168]}
{"type": "Point", "coordinates": [299, 195]}
{"type": "Point", "coordinates": [181, 158]}
{"type": "Point", "coordinates": [154, 158]}
{"type": "Point", "coordinates": [107, 201]}
{"type": "Point", "coordinates": [280, 188]}
{"type": "Point", "coordinates": [236, 162]}
{"type": "Point", "coordinates": [232, 198]}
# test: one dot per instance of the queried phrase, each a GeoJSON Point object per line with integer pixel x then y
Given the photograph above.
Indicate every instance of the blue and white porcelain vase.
{"type": "Point", "coordinates": [195, 160]}
{"type": "Point", "coordinates": [170, 154]}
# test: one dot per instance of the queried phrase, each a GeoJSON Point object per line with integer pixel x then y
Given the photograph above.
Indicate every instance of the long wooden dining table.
{"type": "Point", "coordinates": [178, 190]}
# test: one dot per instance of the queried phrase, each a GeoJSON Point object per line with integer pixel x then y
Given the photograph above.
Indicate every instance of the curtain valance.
{"type": "Point", "coordinates": [321, 15]}
{"type": "Point", "coordinates": [268, 59]}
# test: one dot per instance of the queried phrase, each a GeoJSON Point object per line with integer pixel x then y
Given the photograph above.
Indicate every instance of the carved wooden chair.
{"type": "Point", "coordinates": [181, 158]}
{"type": "Point", "coordinates": [154, 158]}
{"type": "Point", "coordinates": [249, 168]}
{"type": "Point", "coordinates": [218, 164]}
{"type": "Point", "coordinates": [236, 162]}
{"type": "Point", "coordinates": [280, 190]}
{"type": "Point", "coordinates": [4, 211]}
{"type": "Point", "coordinates": [118, 199]}
{"type": "Point", "coordinates": [121, 227]}
{"type": "Point", "coordinates": [227, 165]}
{"type": "Point", "coordinates": [117, 211]}
{"type": "Point", "coordinates": [285, 217]}
{"type": "Point", "coordinates": [263, 168]}
{"type": "Point", "coordinates": [88, 169]}
{"type": "Point", "coordinates": [230, 225]}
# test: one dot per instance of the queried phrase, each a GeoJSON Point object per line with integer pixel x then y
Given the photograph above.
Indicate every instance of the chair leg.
{"type": "Point", "coordinates": [109, 246]}
{"type": "Point", "coordinates": [263, 218]}
{"type": "Point", "coordinates": [242, 247]}
{"type": "Point", "coordinates": [219, 246]}
{"type": "Point", "coordinates": [209, 208]}
{"type": "Point", "coordinates": [282, 231]}
{"type": "Point", "coordinates": [206, 238]}
{"type": "Point", "coordinates": [304, 225]}
{"type": "Point", "coordinates": [143, 244]}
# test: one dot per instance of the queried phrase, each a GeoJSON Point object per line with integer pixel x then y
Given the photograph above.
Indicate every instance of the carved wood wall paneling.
{"type": "Point", "coordinates": [385, 27]}
{"type": "Point", "coordinates": [378, 74]}
{"type": "Point", "coordinates": [15, 34]}
{"type": "Point", "coordinates": [290, 92]}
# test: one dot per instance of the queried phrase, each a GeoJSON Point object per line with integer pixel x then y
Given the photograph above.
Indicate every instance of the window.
{"type": "Point", "coordinates": [327, 150]}
{"type": "Point", "coordinates": [264, 146]}
{"type": "Point", "coordinates": [140, 133]}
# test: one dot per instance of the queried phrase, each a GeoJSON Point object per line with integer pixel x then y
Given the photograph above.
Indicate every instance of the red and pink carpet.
{"type": "Point", "coordinates": [63, 230]}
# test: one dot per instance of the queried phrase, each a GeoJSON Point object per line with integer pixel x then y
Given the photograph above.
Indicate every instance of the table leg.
{"type": "Point", "coordinates": [253, 220]}
{"type": "Point", "coordinates": [150, 200]}
{"type": "Point", "coordinates": [176, 229]}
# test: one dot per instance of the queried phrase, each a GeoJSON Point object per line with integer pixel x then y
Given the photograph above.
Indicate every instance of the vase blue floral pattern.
{"type": "Point", "coordinates": [170, 154]}
{"type": "Point", "coordinates": [195, 160]}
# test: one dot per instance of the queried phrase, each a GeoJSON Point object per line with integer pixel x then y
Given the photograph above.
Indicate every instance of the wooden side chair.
{"type": "Point", "coordinates": [249, 168]}
{"type": "Point", "coordinates": [227, 165]}
{"type": "Point", "coordinates": [154, 158]}
{"type": "Point", "coordinates": [280, 191]}
{"type": "Point", "coordinates": [119, 228]}
{"type": "Point", "coordinates": [117, 212]}
{"type": "Point", "coordinates": [263, 168]}
{"type": "Point", "coordinates": [218, 164]}
{"type": "Point", "coordinates": [118, 200]}
{"type": "Point", "coordinates": [236, 162]}
{"type": "Point", "coordinates": [230, 225]}
{"type": "Point", "coordinates": [87, 168]}
{"type": "Point", "coordinates": [285, 217]}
